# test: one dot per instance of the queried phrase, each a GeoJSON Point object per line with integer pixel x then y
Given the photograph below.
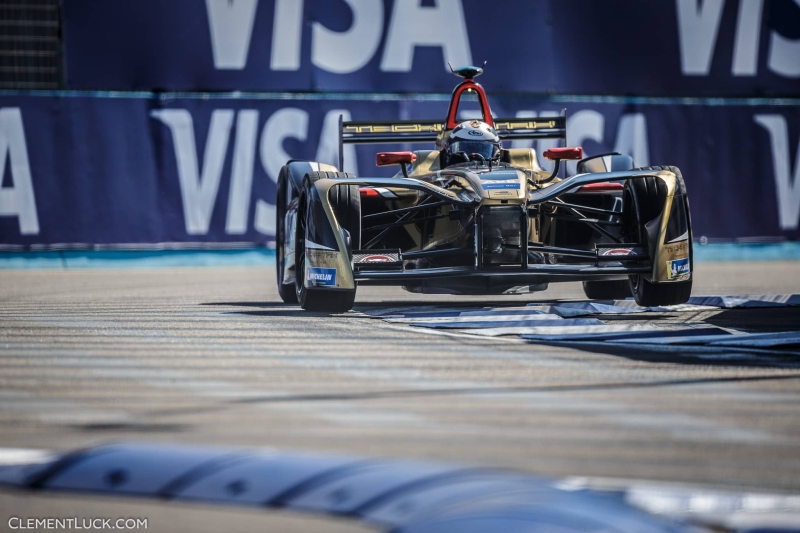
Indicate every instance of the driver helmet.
{"type": "Point", "coordinates": [472, 140]}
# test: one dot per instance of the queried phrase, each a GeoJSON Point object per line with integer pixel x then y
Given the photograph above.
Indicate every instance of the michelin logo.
{"type": "Point", "coordinates": [678, 268]}
{"type": "Point", "coordinates": [321, 277]}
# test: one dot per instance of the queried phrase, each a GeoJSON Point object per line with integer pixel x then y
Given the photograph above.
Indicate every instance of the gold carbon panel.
{"type": "Point", "coordinates": [525, 125]}
{"type": "Point", "coordinates": [394, 128]}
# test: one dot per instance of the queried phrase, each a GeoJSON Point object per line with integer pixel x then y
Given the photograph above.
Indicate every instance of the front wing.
{"type": "Point", "coordinates": [327, 253]}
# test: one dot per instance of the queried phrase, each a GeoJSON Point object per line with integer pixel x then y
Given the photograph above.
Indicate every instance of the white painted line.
{"type": "Point", "coordinates": [709, 506]}
{"type": "Point", "coordinates": [556, 330]}
{"type": "Point", "coordinates": [475, 318]}
{"type": "Point", "coordinates": [429, 331]}
{"type": "Point", "coordinates": [700, 303]}
{"type": "Point", "coordinates": [570, 309]}
{"type": "Point", "coordinates": [24, 456]}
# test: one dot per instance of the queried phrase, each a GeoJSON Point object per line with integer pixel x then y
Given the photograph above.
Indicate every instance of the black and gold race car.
{"type": "Point", "coordinates": [473, 217]}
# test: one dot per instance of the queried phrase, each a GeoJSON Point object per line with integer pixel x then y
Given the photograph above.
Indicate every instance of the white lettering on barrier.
{"type": "Point", "coordinates": [17, 200]}
{"type": "Point", "coordinates": [631, 136]}
{"type": "Point", "coordinates": [200, 187]}
{"type": "Point", "coordinates": [244, 151]}
{"type": "Point", "coordinates": [328, 148]}
{"type": "Point", "coordinates": [584, 125]}
{"type": "Point", "coordinates": [286, 123]}
{"type": "Point", "coordinates": [349, 51]}
{"type": "Point", "coordinates": [442, 25]}
{"type": "Point", "coordinates": [698, 29]}
{"type": "Point", "coordinates": [784, 54]}
{"type": "Point", "coordinates": [541, 144]}
{"type": "Point", "coordinates": [231, 25]}
{"type": "Point", "coordinates": [198, 190]}
{"type": "Point", "coordinates": [748, 31]}
{"type": "Point", "coordinates": [293, 123]}
{"type": "Point", "coordinates": [698, 26]}
{"type": "Point", "coordinates": [413, 25]}
{"type": "Point", "coordinates": [287, 35]}
{"type": "Point", "coordinates": [787, 188]}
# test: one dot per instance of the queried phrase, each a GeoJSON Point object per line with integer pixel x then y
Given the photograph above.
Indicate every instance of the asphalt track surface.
{"type": "Point", "coordinates": [210, 356]}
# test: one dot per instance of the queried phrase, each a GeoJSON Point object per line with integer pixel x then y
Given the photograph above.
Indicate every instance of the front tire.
{"type": "Point", "coordinates": [607, 290]}
{"type": "Point", "coordinates": [643, 201]}
{"type": "Point", "coordinates": [346, 203]}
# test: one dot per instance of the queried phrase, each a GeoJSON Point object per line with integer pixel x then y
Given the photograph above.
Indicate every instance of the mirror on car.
{"type": "Point", "coordinates": [393, 158]}
{"type": "Point", "coordinates": [568, 152]}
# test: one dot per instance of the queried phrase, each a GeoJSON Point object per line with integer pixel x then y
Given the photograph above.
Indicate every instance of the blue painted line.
{"type": "Point", "coordinates": [136, 258]}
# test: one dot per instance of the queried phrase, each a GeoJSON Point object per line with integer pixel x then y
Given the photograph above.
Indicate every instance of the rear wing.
{"type": "Point", "coordinates": [416, 131]}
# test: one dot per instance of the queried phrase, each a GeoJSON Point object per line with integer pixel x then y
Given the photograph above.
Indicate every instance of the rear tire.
{"type": "Point", "coordinates": [346, 203]}
{"type": "Point", "coordinates": [607, 290]}
{"type": "Point", "coordinates": [643, 200]}
{"type": "Point", "coordinates": [287, 292]}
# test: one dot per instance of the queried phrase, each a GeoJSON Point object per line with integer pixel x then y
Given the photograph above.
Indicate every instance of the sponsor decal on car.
{"type": "Point", "coordinates": [678, 268]}
{"type": "Point", "coordinates": [500, 175]}
{"type": "Point", "coordinates": [488, 186]}
{"type": "Point", "coordinates": [377, 259]}
{"type": "Point", "coordinates": [617, 251]}
{"type": "Point", "coordinates": [676, 247]}
{"type": "Point", "coordinates": [321, 277]}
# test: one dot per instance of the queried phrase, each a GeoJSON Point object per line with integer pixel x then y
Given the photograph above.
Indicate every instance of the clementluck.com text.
{"type": "Point", "coordinates": [16, 523]}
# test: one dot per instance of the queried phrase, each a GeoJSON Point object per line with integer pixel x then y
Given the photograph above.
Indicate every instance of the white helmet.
{"type": "Point", "coordinates": [470, 141]}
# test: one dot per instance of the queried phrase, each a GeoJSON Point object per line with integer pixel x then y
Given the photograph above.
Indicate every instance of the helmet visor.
{"type": "Point", "coordinates": [487, 149]}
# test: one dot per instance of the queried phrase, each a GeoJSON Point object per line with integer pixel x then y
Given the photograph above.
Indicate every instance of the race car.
{"type": "Point", "coordinates": [474, 217]}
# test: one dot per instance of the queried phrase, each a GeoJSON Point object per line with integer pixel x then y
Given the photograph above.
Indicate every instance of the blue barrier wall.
{"type": "Point", "coordinates": [658, 48]}
{"type": "Point", "coordinates": [156, 169]}
{"type": "Point", "coordinates": [89, 168]}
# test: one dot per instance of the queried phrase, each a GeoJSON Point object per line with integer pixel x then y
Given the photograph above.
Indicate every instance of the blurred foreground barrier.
{"type": "Point", "coordinates": [141, 169]}
{"type": "Point", "coordinates": [401, 496]}
{"type": "Point", "coordinates": [396, 496]}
